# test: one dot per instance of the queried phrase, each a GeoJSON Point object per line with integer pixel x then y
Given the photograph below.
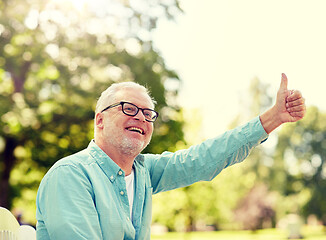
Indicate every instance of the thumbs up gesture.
{"type": "Point", "coordinates": [289, 103]}
{"type": "Point", "coordinates": [289, 107]}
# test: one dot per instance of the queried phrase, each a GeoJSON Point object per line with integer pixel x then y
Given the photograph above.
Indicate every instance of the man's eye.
{"type": "Point", "coordinates": [130, 109]}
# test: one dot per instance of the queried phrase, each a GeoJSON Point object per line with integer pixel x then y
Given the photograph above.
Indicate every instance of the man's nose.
{"type": "Point", "coordinates": [140, 116]}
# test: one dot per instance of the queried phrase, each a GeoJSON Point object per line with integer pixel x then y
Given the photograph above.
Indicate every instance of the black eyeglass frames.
{"type": "Point", "coordinates": [132, 110]}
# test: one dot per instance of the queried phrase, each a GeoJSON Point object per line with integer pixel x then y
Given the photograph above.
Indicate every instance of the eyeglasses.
{"type": "Point", "coordinates": [132, 110]}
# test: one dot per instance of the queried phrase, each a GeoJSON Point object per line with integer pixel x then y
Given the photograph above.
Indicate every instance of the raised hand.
{"type": "Point", "coordinates": [289, 107]}
{"type": "Point", "coordinates": [290, 104]}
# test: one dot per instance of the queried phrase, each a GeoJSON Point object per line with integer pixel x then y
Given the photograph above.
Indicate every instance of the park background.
{"type": "Point", "coordinates": [211, 66]}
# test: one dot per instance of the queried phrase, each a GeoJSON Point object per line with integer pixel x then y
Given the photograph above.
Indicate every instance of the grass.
{"type": "Point", "coordinates": [309, 233]}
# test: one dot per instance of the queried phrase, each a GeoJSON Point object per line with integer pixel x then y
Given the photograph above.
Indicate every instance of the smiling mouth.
{"type": "Point", "coordinates": [135, 129]}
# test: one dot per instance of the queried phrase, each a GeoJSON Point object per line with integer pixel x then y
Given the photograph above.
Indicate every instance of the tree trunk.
{"type": "Point", "coordinates": [8, 158]}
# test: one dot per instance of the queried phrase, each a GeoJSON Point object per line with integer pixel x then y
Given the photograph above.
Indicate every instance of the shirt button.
{"type": "Point", "coordinates": [122, 193]}
{"type": "Point", "coordinates": [120, 173]}
{"type": "Point", "coordinates": [111, 177]}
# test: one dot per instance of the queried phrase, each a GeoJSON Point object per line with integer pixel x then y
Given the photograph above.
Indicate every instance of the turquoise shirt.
{"type": "Point", "coordinates": [84, 196]}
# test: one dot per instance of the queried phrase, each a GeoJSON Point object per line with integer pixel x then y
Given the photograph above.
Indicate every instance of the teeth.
{"type": "Point", "coordinates": [136, 129]}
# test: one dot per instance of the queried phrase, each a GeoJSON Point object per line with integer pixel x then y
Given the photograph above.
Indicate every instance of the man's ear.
{"type": "Point", "coordinates": [99, 120]}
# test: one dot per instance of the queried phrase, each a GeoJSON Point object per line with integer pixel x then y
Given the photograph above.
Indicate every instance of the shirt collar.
{"type": "Point", "coordinates": [108, 166]}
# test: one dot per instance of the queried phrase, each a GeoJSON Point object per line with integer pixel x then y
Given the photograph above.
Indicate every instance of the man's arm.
{"type": "Point", "coordinates": [204, 161]}
{"type": "Point", "coordinates": [65, 208]}
{"type": "Point", "coordinates": [289, 107]}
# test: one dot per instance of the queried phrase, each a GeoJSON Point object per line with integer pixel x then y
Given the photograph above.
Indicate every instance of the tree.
{"type": "Point", "coordinates": [294, 169]}
{"type": "Point", "coordinates": [302, 149]}
{"type": "Point", "coordinates": [55, 60]}
{"type": "Point", "coordinates": [255, 211]}
{"type": "Point", "coordinates": [258, 101]}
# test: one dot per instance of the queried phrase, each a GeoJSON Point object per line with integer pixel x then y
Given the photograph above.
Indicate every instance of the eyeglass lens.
{"type": "Point", "coordinates": [132, 110]}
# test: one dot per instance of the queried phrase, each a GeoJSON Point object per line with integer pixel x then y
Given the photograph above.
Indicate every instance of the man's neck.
{"type": "Point", "coordinates": [124, 161]}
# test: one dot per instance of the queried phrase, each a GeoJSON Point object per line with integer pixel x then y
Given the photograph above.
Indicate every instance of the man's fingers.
{"type": "Point", "coordinates": [294, 96]}
{"type": "Point", "coordinates": [299, 108]}
{"type": "Point", "coordinates": [299, 114]}
{"type": "Point", "coordinates": [297, 102]}
{"type": "Point", "coordinates": [284, 82]}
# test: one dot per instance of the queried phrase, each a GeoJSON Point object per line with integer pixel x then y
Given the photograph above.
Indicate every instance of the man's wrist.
{"type": "Point", "coordinates": [270, 120]}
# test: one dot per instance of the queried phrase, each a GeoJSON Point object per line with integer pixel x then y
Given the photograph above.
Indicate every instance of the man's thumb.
{"type": "Point", "coordinates": [284, 82]}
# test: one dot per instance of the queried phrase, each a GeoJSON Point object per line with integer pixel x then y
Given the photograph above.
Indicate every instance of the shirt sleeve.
{"type": "Point", "coordinates": [204, 161]}
{"type": "Point", "coordinates": [65, 202]}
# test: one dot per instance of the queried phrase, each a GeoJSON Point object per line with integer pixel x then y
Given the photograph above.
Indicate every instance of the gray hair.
{"type": "Point", "coordinates": [108, 96]}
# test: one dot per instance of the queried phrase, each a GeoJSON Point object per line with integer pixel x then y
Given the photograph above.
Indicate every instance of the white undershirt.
{"type": "Point", "coordinates": [130, 189]}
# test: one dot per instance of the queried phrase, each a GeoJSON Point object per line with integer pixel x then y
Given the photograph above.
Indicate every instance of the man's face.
{"type": "Point", "coordinates": [128, 134]}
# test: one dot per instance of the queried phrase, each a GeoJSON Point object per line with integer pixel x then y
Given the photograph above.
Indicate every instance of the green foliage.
{"type": "Point", "coordinates": [205, 203]}
{"type": "Point", "coordinates": [302, 149]}
{"type": "Point", "coordinates": [55, 60]}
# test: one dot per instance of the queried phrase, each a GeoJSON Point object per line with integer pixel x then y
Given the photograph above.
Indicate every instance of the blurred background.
{"type": "Point", "coordinates": [210, 65]}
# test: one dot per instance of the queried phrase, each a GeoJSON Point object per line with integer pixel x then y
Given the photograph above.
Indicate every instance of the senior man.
{"type": "Point", "coordinates": [105, 191]}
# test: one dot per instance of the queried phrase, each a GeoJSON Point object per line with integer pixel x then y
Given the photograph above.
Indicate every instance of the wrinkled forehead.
{"type": "Point", "coordinates": [135, 96]}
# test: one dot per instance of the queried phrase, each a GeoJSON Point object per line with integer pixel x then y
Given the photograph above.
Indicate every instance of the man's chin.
{"type": "Point", "coordinates": [132, 147]}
